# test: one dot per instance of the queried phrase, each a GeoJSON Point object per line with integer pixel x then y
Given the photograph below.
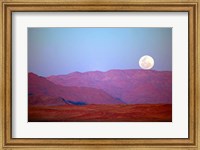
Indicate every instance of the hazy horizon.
{"type": "Point", "coordinates": [100, 71]}
{"type": "Point", "coordinates": [57, 51]}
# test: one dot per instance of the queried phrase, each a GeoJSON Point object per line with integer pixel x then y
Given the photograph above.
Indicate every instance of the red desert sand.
{"type": "Point", "coordinates": [101, 113]}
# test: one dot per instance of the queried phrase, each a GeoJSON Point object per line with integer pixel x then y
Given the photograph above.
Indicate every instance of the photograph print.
{"type": "Point", "coordinates": [99, 74]}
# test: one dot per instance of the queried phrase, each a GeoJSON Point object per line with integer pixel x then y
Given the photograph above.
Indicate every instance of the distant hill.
{"type": "Point", "coordinates": [43, 92]}
{"type": "Point", "coordinates": [129, 86]}
{"type": "Point", "coordinates": [44, 100]}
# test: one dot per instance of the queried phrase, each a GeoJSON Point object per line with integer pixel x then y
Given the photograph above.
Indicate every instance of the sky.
{"type": "Point", "coordinates": [56, 51]}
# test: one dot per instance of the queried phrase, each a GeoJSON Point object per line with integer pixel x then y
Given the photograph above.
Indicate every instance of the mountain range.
{"type": "Point", "coordinates": [43, 92]}
{"type": "Point", "coordinates": [95, 87]}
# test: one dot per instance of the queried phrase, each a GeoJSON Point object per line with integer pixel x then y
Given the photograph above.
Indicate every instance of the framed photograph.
{"type": "Point", "coordinates": [98, 74]}
{"type": "Point", "coordinates": [107, 75]}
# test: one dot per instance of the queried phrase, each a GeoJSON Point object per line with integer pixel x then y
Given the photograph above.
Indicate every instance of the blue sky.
{"type": "Point", "coordinates": [54, 51]}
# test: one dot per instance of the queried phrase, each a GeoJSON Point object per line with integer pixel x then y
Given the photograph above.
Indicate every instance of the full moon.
{"type": "Point", "coordinates": [146, 62]}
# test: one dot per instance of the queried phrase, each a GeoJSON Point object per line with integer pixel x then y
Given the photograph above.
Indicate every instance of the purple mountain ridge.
{"type": "Point", "coordinates": [130, 86]}
{"type": "Point", "coordinates": [43, 92]}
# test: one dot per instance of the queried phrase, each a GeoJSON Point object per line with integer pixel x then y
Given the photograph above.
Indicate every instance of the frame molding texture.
{"type": "Point", "coordinates": [9, 6]}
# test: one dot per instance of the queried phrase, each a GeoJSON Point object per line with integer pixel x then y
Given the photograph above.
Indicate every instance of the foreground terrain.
{"type": "Point", "coordinates": [101, 113]}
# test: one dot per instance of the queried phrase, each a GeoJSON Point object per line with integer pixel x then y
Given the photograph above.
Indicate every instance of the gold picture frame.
{"type": "Point", "coordinates": [9, 6]}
